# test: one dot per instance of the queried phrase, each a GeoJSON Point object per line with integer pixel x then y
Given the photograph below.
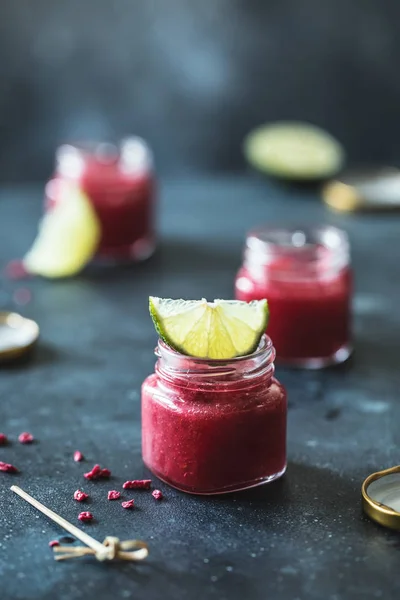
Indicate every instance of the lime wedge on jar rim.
{"type": "Point", "coordinates": [294, 150]}
{"type": "Point", "coordinates": [67, 239]}
{"type": "Point", "coordinates": [218, 330]}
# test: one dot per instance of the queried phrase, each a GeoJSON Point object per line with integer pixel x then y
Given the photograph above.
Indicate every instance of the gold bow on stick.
{"type": "Point", "coordinates": [110, 549]}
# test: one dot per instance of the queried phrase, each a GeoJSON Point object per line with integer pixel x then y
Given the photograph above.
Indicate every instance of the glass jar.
{"type": "Point", "coordinates": [306, 277]}
{"type": "Point", "coordinates": [211, 426]}
{"type": "Point", "coordinates": [119, 181]}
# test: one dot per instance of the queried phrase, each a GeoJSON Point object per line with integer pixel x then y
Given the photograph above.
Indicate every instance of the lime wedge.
{"type": "Point", "coordinates": [67, 239]}
{"type": "Point", "coordinates": [294, 150]}
{"type": "Point", "coordinates": [218, 330]}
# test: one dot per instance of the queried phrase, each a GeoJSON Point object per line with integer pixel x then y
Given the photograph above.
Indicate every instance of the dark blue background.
{"type": "Point", "coordinates": [193, 77]}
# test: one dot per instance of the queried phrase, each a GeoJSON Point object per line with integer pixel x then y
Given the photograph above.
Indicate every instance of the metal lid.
{"type": "Point", "coordinates": [381, 497]}
{"type": "Point", "coordinates": [368, 189]}
{"type": "Point", "coordinates": [17, 335]}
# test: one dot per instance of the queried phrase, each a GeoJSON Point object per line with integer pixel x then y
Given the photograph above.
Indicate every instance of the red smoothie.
{"type": "Point", "coordinates": [308, 288]}
{"type": "Point", "coordinates": [211, 427]}
{"type": "Point", "coordinates": [119, 182]}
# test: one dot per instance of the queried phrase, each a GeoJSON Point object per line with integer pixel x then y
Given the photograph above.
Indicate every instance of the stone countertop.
{"type": "Point", "coordinates": [302, 538]}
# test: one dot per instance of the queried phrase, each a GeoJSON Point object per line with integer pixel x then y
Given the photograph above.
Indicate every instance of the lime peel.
{"type": "Point", "coordinates": [67, 239]}
{"type": "Point", "coordinates": [218, 330]}
{"type": "Point", "coordinates": [294, 150]}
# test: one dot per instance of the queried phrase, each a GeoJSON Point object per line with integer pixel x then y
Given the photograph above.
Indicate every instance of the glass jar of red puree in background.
{"type": "Point", "coordinates": [119, 181]}
{"type": "Point", "coordinates": [212, 426]}
{"type": "Point", "coordinates": [306, 277]}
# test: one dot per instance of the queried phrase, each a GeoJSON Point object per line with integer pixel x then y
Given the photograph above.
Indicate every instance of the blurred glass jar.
{"type": "Point", "coordinates": [306, 276]}
{"type": "Point", "coordinates": [119, 181]}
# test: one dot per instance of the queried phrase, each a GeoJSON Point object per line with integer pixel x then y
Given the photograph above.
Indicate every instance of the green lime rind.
{"type": "Point", "coordinates": [156, 323]}
{"type": "Point", "coordinates": [294, 151]}
{"type": "Point", "coordinates": [219, 330]}
{"type": "Point", "coordinates": [67, 239]}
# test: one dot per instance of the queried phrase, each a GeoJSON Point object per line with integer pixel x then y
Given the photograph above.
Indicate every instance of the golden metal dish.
{"type": "Point", "coordinates": [17, 335]}
{"type": "Point", "coordinates": [374, 493]}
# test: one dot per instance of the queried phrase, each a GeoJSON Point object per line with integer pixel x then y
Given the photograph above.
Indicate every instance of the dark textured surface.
{"type": "Point", "coordinates": [194, 77]}
{"type": "Point", "coordinates": [303, 538]}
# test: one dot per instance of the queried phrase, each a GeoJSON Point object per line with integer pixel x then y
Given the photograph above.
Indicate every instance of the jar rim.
{"type": "Point", "coordinates": [302, 252]}
{"type": "Point", "coordinates": [264, 346]}
{"type": "Point", "coordinates": [295, 236]}
{"type": "Point", "coordinates": [131, 154]}
{"type": "Point", "coordinates": [192, 371]}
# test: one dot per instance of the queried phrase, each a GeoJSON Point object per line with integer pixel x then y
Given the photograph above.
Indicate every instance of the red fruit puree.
{"type": "Point", "coordinates": [211, 427]}
{"type": "Point", "coordinates": [308, 288]}
{"type": "Point", "coordinates": [120, 184]}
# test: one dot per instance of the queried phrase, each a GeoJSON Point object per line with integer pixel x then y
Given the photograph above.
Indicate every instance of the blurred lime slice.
{"type": "Point", "coordinates": [217, 330]}
{"type": "Point", "coordinates": [67, 239]}
{"type": "Point", "coordinates": [294, 150]}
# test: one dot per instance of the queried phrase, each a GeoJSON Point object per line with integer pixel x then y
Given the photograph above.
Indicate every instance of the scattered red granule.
{"type": "Point", "coordinates": [157, 494]}
{"type": "Point", "coordinates": [16, 270]}
{"type": "Point", "coordinates": [22, 296]}
{"type": "Point", "coordinates": [114, 495]}
{"type": "Point", "coordinates": [3, 439]}
{"type": "Point", "coordinates": [137, 484]}
{"type": "Point", "coordinates": [85, 516]}
{"type": "Point", "coordinates": [54, 543]}
{"type": "Point", "coordinates": [98, 473]}
{"type": "Point", "coordinates": [94, 473]}
{"type": "Point", "coordinates": [7, 468]}
{"type": "Point", "coordinates": [78, 456]}
{"type": "Point", "coordinates": [128, 504]}
{"type": "Point", "coordinates": [25, 438]}
{"type": "Point", "coordinates": [80, 496]}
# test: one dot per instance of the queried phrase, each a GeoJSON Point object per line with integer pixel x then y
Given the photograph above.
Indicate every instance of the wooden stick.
{"type": "Point", "coordinates": [75, 531]}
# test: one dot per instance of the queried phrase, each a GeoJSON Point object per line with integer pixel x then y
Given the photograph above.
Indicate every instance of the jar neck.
{"type": "Point", "coordinates": [130, 157]}
{"type": "Point", "coordinates": [188, 372]}
{"type": "Point", "coordinates": [296, 253]}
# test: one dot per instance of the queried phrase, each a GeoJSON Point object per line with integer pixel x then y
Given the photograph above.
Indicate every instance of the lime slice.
{"type": "Point", "coordinates": [67, 239]}
{"type": "Point", "coordinates": [294, 150]}
{"type": "Point", "coordinates": [218, 330]}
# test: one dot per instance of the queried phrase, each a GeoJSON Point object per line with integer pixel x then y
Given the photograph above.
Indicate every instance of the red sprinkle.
{"type": "Point", "coordinates": [85, 516]}
{"type": "Point", "coordinates": [3, 439]}
{"type": "Point", "coordinates": [94, 473]}
{"type": "Point", "coordinates": [98, 473]}
{"type": "Point", "coordinates": [137, 484]}
{"type": "Point", "coordinates": [22, 296]}
{"type": "Point", "coordinates": [114, 495]}
{"type": "Point", "coordinates": [7, 468]}
{"type": "Point", "coordinates": [157, 494]}
{"type": "Point", "coordinates": [80, 496]}
{"type": "Point", "coordinates": [54, 543]}
{"type": "Point", "coordinates": [78, 456]}
{"type": "Point", "coordinates": [16, 270]}
{"type": "Point", "coordinates": [25, 438]}
{"type": "Point", "coordinates": [128, 504]}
